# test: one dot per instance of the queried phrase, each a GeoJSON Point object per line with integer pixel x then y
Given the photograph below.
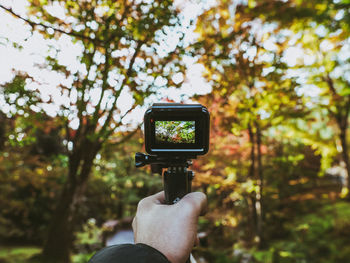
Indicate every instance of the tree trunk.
{"type": "Point", "coordinates": [2, 130]}
{"type": "Point", "coordinates": [345, 153]}
{"type": "Point", "coordinates": [60, 237]}
{"type": "Point", "coordinates": [341, 115]}
{"type": "Point", "coordinates": [259, 196]}
{"type": "Point", "coordinates": [252, 152]}
{"type": "Point", "coordinates": [251, 175]}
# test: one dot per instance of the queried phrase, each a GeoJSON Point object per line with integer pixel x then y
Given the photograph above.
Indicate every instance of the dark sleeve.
{"type": "Point", "coordinates": [129, 253]}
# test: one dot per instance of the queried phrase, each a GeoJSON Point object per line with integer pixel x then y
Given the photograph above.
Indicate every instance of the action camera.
{"type": "Point", "coordinates": [174, 134]}
{"type": "Point", "coordinates": [173, 129]}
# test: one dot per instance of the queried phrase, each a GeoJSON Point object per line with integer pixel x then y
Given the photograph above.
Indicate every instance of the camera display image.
{"type": "Point", "coordinates": [175, 131]}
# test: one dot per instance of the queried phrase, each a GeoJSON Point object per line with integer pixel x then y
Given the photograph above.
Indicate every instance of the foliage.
{"type": "Point", "coordinates": [17, 254]}
{"type": "Point", "coordinates": [90, 234]}
{"type": "Point", "coordinates": [25, 255]}
{"type": "Point", "coordinates": [28, 188]}
{"type": "Point", "coordinates": [323, 66]}
{"type": "Point", "coordinates": [250, 85]}
{"type": "Point", "coordinates": [175, 131]}
{"type": "Point", "coordinates": [279, 104]}
{"type": "Point", "coordinates": [117, 185]}
{"type": "Point", "coordinates": [27, 193]}
{"type": "Point", "coordinates": [120, 56]}
{"type": "Point", "coordinates": [310, 235]}
{"type": "Point", "coordinates": [18, 99]}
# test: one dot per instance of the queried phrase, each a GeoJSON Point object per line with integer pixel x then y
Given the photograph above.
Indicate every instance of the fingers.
{"type": "Point", "coordinates": [149, 201]}
{"type": "Point", "coordinates": [197, 201]}
{"type": "Point", "coordinates": [158, 198]}
{"type": "Point", "coordinates": [134, 228]}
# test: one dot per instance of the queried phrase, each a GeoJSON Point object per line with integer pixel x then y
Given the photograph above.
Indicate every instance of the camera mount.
{"type": "Point", "coordinates": [177, 178]}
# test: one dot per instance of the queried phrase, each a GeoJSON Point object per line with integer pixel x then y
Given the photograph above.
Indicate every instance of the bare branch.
{"type": "Point", "coordinates": [330, 83]}
{"type": "Point", "coordinates": [35, 24]}
{"type": "Point", "coordinates": [104, 82]}
{"type": "Point", "coordinates": [127, 137]}
{"type": "Point", "coordinates": [110, 114]}
{"type": "Point", "coordinates": [81, 103]}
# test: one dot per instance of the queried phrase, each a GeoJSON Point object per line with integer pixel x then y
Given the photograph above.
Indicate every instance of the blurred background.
{"type": "Point", "coordinates": [77, 76]}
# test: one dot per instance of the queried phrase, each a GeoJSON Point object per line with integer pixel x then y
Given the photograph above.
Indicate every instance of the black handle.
{"type": "Point", "coordinates": [177, 183]}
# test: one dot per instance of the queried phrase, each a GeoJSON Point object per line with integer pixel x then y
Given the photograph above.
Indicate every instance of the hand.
{"type": "Point", "coordinates": [171, 229]}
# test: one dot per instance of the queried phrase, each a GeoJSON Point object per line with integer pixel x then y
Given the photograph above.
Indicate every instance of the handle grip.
{"type": "Point", "coordinates": [177, 183]}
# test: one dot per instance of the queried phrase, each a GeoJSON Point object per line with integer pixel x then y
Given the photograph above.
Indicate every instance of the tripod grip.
{"type": "Point", "coordinates": [177, 183]}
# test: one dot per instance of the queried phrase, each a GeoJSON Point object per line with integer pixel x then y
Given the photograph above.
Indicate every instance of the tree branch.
{"type": "Point", "coordinates": [96, 115]}
{"type": "Point", "coordinates": [127, 137]}
{"type": "Point", "coordinates": [35, 24]}
{"type": "Point", "coordinates": [330, 83]}
{"type": "Point", "coordinates": [81, 103]}
{"type": "Point", "coordinates": [110, 114]}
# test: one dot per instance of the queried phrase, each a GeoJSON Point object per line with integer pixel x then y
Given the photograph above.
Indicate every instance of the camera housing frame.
{"type": "Point", "coordinates": [177, 112]}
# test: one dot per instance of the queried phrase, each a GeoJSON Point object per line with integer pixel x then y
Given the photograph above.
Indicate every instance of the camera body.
{"type": "Point", "coordinates": [177, 130]}
{"type": "Point", "coordinates": [174, 134]}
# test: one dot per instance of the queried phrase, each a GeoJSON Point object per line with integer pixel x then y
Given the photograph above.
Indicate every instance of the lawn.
{"type": "Point", "coordinates": [22, 254]}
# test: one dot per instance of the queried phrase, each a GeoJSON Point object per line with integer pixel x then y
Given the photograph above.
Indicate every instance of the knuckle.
{"type": "Point", "coordinates": [142, 203]}
{"type": "Point", "coordinates": [201, 196]}
{"type": "Point", "coordinates": [195, 202]}
{"type": "Point", "coordinates": [188, 207]}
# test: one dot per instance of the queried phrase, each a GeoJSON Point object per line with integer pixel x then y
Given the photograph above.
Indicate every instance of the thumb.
{"type": "Point", "coordinates": [196, 201]}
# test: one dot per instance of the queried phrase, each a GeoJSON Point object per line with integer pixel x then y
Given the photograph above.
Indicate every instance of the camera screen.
{"type": "Point", "coordinates": [175, 131]}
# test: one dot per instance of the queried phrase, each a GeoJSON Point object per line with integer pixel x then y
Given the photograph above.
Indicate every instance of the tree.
{"type": "Point", "coordinates": [122, 52]}
{"type": "Point", "coordinates": [322, 33]}
{"type": "Point", "coordinates": [30, 162]}
{"type": "Point", "coordinates": [242, 56]}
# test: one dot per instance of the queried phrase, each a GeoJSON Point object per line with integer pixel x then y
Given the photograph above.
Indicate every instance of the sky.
{"type": "Point", "coordinates": [35, 49]}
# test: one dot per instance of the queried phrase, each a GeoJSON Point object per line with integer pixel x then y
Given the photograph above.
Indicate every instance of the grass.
{"type": "Point", "coordinates": [22, 254]}
{"type": "Point", "coordinates": [17, 254]}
